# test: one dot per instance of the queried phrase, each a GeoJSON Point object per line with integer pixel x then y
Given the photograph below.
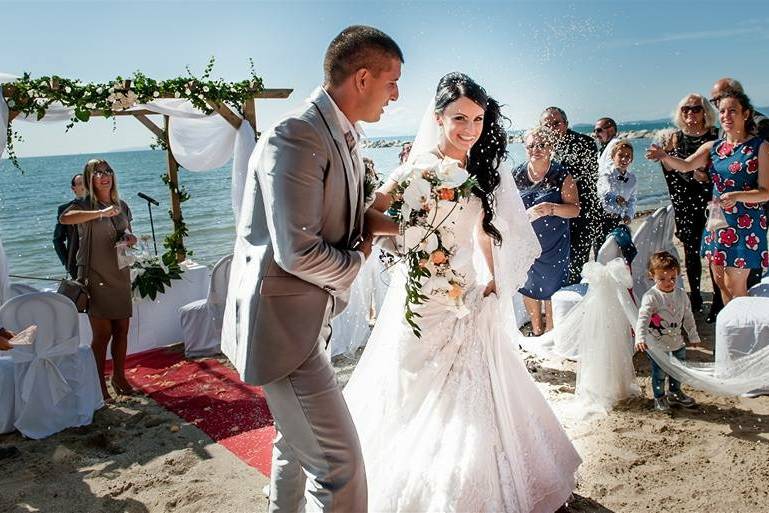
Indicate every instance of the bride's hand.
{"type": "Point", "coordinates": [640, 347]}
{"type": "Point", "coordinates": [491, 288]}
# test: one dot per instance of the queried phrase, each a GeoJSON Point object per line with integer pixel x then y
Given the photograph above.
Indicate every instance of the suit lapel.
{"type": "Point", "coordinates": [322, 102]}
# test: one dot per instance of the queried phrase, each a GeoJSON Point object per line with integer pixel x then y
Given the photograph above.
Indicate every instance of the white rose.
{"type": "Point", "coordinates": [406, 211]}
{"type": "Point", "coordinates": [176, 94]}
{"type": "Point", "coordinates": [417, 193]}
{"type": "Point", "coordinates": [156, 94]}
{"type": "Point", "coordinates": [31, 93]}
{"type": "Point", "coordinates": [206, 89]}
{"type": "Point", "coordinates": [11, 103]}
{"type": "Point", "coordinates": [187, 92]}
{"type": "Point", "coordinates": [90, 105]}
{"type": "Point", "coordinates": [87, 94]}
{"type": "Point", "coordinates": [427, 162]}
{"type": "Point", "coordinates": [436, 284]}
{"type": "Point", "coordinates": [447, 237]}
{"type": "Point", "coordinates": [451, 174]}
{"type": "Point", "coordinates": [68, 89]}
{"type": "Point", "coordinates": [99, 90]}
{"type": "Point", "coordinates": [416, 238]}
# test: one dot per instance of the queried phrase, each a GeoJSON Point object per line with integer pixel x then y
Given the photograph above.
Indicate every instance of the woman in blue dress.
{"type": "Point", "coordinates": [550, 196]}
{"type": "Point", "coordinates": [739, 168]}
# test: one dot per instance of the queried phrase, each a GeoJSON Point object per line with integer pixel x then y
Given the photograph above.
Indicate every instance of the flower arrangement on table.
{"type": "Point", "coordinates": [425, 204]}
{"type": "Point", "coordinates": [151, 274]}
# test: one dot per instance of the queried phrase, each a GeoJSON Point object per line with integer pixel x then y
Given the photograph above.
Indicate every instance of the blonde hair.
{"type": "Point", "coordinates": [620, 145]}
{"type": "Point", "coordinates": [89, 171]}
{"type": "Point", "coordinates": [707, 110]}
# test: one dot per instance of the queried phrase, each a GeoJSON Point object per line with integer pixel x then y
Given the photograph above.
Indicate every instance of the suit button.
{"type": "Point", "coordinates": [248, 259]}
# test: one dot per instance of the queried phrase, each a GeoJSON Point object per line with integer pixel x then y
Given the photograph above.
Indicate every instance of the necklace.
{"type": "Point", "coordinates": [442, 156]}
{"type": "Point", "coordinates": [530, 168]}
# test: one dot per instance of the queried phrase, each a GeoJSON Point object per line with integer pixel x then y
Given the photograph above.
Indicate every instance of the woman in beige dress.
{"type": "Point", "coordinates": [103, 220]}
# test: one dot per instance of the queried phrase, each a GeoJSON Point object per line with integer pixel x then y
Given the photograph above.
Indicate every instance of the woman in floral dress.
{"type": "Point", "coordinates": [739, 168]}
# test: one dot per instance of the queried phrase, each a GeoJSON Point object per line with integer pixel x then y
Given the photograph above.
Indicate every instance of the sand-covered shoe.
{"type": "Point", "coordinates": [680, 399]}
{"type": "Point", "coordinates": [661, 404]}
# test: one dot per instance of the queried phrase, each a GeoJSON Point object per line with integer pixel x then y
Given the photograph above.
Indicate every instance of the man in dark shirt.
{"type": "Point", "coordinates": [65, 238]}
{"type": "Point", "coordinates": [579, 155]}
{"type": "Point", "coordinates": [722, 86]}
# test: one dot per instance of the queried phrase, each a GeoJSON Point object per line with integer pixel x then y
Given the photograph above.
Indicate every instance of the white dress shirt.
{"type": "Point", "coordinates": [613, 184]}
{"type": "Point", "coordinates": [347, 126]}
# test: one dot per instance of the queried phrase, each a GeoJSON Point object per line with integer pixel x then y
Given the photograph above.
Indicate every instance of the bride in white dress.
{"type": "Point", "coordinates": [452, 421]}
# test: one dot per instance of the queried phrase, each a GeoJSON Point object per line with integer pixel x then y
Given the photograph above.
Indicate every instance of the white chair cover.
{"type": "Point", "coordinates": [567, 297]}
{"type": "Point", "coordinates": [655, 234]}
{"type": "Point", "coordinates": [7, 393]}
{"type": "Point", "coordinates": [56, 381]}
{"type": "Point", "coordinates": [742, 328]}
{"type": "Point", "coordinates": [759, 290]}
{"type": "Point", "coordinates": [5, 280]}
{"type": "Point", "coordinates": [201, 320]}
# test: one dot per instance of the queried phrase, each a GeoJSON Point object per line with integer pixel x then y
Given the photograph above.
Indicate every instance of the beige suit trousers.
{"type": "Point", "coordinates": [316, 460]}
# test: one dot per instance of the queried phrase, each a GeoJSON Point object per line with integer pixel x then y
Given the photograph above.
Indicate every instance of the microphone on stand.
{"type": "Point", "coordinates": [151, 201]}
{"type": "Point", "coordinates": [148, 198]}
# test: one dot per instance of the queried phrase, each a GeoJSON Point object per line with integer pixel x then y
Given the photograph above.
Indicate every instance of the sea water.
{"type": "Point", "coordinates": [28, 202]}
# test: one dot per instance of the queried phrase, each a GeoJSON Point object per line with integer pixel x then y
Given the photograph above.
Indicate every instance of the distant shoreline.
{"type": "Point", "coordinates": [514, 138]}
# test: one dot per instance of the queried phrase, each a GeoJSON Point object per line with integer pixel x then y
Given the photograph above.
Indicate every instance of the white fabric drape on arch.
{"type": "Point", "coordinates": [199, 142]}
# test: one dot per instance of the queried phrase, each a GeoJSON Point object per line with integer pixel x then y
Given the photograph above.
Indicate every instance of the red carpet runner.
{"type": "Point", "coordinates": [212, 397]}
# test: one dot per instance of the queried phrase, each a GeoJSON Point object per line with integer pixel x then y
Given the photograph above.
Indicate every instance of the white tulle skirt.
{"type": "Point", "coordinates": [453, 421]}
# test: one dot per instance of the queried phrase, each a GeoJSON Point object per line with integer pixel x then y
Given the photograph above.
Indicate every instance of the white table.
{"type": "Point", "coordinates": [156, 323]}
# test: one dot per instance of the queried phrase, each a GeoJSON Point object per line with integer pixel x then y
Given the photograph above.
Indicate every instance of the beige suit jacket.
{"type": "Point", "coordinates": [301, 214]}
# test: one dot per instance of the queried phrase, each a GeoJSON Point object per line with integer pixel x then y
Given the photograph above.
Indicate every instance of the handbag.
{"type": "Point", "coordinates": [77, 290]}
{"type": "Point", "coordinates": [716, 219]}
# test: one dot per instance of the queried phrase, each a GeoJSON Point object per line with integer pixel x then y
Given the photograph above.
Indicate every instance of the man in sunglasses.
{"type": "Point", "coordinates": [578, 154]}
{"type": "Point", "coordinates": [722, 86]}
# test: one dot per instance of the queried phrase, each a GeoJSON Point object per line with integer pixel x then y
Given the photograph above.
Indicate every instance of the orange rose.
{"type": "Point", "coordinates": [455, 292]}
{"type": "Point", "coordinates": [446, 194]}
{"type": "Point", "coordinates": [438, 257]}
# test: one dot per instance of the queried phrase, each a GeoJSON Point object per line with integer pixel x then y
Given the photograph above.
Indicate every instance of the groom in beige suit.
{"type": "Point", "coordinates": [300, 244]}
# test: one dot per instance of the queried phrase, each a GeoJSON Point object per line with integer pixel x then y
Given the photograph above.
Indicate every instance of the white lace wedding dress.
{"type": "Point", "coordinates": [452, 421]}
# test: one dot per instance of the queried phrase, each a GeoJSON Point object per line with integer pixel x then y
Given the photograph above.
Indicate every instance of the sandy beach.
{"type": "Point", "coordinates": [137, 457]}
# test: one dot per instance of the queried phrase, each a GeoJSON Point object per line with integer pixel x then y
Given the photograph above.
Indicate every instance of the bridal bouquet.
{"type": "Point", "coordinates": [426, 202]}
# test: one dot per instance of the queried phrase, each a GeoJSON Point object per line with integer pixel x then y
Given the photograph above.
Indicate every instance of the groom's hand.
{"type": "Point", "coordinates": [367, 244]}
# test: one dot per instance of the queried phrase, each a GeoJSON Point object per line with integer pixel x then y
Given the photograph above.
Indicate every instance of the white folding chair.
{"type": "Point", "coordinates": [655, 234]}
{"type": "Point", "coordinates": [7, 393]}
{"type": "Point", "coordinates": [201, 320]}
{"type": "Point", "coordinates": [56, 381]}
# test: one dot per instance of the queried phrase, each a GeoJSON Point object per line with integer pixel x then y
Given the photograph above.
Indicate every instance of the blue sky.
{"type": "Point", "coordinates": [628, 60]}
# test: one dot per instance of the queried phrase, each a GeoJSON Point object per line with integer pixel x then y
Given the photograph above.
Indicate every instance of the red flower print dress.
{"type": "Point", "coordinates": [743, 243]}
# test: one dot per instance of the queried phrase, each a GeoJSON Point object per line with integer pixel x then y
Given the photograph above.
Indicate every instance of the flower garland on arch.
{"type": "Point", "coordinates": [33, 96]}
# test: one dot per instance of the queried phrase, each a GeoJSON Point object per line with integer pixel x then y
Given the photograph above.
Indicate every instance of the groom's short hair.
{"type": "Point", "coordinates": [356, 47]}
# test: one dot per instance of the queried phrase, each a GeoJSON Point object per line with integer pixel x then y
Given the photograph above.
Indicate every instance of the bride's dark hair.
{"type": "Point", "coordinates": [491, 148]}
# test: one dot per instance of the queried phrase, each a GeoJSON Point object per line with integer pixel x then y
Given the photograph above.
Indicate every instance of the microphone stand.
{"type": "Point", "coordinates": [150, 201]}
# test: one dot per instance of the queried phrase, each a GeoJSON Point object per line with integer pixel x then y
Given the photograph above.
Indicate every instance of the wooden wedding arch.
{"type": "Point", "coordinates": [162, 133]}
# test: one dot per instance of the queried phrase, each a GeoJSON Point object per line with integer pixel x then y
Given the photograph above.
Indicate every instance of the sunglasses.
{"type": "Point", "coordinates": [539, 146]}
{"type": "Point", "coordinates": [714, 101]}
{"type": "Point", "coordinates": [598, 130]}
{"type": "Point", "coordinates": [103, 172]}
{"type": "Point", "coordinates": [694, 109]}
